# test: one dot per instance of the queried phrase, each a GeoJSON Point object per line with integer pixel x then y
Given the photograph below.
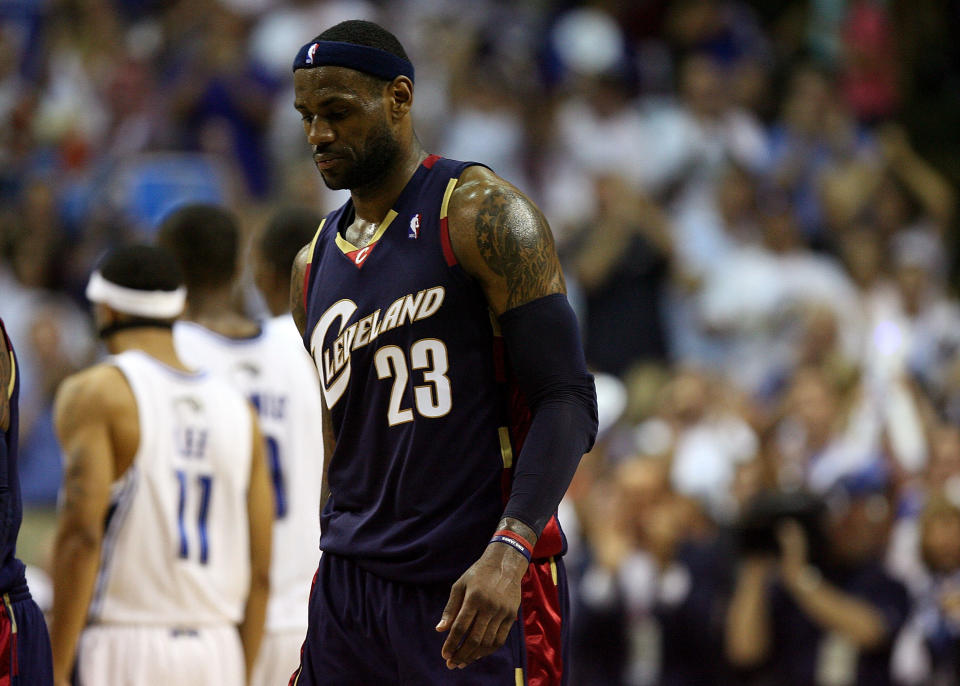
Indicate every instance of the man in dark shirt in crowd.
{"type": "Point", "coordinates": [792, 623]}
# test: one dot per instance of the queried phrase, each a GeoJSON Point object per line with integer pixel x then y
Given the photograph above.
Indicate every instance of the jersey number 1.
{"type": "Point", "coordinates": [205, 483]}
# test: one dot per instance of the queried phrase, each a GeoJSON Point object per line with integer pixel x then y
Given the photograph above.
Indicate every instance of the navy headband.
{"type": "Point", "coordinates": [373, 61]}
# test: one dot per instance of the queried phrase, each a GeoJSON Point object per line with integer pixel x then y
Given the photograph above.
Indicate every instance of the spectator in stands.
{"type": "Point", "coordinates": [790, 622]}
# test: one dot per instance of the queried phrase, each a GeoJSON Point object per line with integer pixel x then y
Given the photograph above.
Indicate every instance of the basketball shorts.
{"type": "Point", "coordinates": [121, 655]}
{"type": "Point", "coordinates": [279, 655]}
{"type": "Point", "coordinates": [367, 630]}
{"type": "Point", "coordinates": [25, 658]}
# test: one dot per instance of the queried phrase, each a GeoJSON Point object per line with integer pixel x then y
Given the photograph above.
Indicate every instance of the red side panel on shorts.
{"type": "Point", "coordinates": [8, 654]}
{"type": "Point", "coordinates": [542, 625]}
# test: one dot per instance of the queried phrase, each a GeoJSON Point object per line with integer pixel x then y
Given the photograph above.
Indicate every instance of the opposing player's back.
{"type": "Point", "coordinates": [176, 548]}
{"type": "Point", "coordinates": [275, 373]}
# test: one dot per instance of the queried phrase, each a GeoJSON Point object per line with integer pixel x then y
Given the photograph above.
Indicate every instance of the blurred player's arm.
{"type": "Point", "coordinates": [83, 412]}
{"type": "Point", "coordinates": [298, 309]}
{"type": "Point", "coordinates": [260, 509]}
{"type": "Point", "coordinates": [503, 241]}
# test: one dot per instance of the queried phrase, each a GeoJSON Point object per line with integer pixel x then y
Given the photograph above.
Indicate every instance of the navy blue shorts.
{"type": "Point", "coordinates": [25, 658]}
{"type": "Point", "coordinates": [365, 630]}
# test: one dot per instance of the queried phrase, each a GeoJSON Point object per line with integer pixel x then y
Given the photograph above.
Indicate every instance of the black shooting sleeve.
{"type": "Point", "coordinates": [543, 345]}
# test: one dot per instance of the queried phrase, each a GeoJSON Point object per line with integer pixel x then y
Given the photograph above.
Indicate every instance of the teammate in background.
{"type": "Point", "coordinates": [24, 643]}
{"type": "Point", "coordinates": [163, 544]}
{"type": "Point", "coordinates": [459, 400]}
{"type": "Point", "coordinates": [268, 364]}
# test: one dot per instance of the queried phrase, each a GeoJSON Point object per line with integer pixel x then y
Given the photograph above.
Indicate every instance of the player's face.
{"type": "Point", "coordinates": [345, 120]}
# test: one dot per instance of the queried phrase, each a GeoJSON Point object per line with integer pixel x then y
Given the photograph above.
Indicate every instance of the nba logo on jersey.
{"type": "Point", "coordinates": [414, 226]}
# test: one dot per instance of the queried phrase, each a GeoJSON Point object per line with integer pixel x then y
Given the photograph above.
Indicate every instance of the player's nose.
{"type": "Point", "coordinates": [319, 132]}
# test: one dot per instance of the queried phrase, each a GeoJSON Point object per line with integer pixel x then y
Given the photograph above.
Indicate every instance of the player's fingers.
{"type": "Point", "coordinates": [458, 630]}
{"type": "Point", "coordinates": [474, 643]}
{"type": "Point", "coordinates": [504, 631]}
{"type": "Point", "coordinates": [452, 607]}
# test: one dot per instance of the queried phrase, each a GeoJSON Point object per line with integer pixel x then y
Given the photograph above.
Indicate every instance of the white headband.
{"type": "Point", "coordinates": [152, 304]}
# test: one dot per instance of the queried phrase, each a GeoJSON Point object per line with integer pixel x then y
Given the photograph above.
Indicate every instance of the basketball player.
{"type": "Point", "coordinates": [459, 401]}
{"type": "Point", "coordinates": [268, 364]}
{"type": "Point", "coordinates": [163, 547]}
{"type": "Point", "coordinates": [24, 643]}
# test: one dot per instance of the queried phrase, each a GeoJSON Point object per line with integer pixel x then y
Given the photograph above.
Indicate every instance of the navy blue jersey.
{"type": "Point", "coordinates": [426, 421]}
{"type": "Point", "coordinates": [11, 507]}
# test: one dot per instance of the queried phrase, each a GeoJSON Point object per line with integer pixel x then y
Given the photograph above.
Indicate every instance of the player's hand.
{"type": "Point", "coordinates": [482, 606]}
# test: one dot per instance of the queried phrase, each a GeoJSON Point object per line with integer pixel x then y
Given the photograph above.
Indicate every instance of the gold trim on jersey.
{"type": "Point", "coordinates": [506, 450]}
{"type": "Point", "coordinates": [13, 375]}
{"type": "Point", "coordinates": [494, 323]}
{"type": "Point", "coordinates": [313, 243]}
{"type": "Point", "coordinates": [347, 247]}
{"type": "Point", "coordinates": [451, 185]}
{"type": "Point", "coordinates": [553, 569]}
{"type": "Point", "coordinates": [13, 618]}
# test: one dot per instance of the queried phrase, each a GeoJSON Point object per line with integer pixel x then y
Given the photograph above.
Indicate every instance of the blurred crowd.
{"type": "Point", "coordinates": [755, 204]}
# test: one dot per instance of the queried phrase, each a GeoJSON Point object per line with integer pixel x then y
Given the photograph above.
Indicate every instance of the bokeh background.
{"type": "Point", "coordinates": [756, 207]}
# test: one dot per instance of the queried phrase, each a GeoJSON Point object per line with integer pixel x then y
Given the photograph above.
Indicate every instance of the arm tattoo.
{"type": "Point", "coordinates": [515, 242]}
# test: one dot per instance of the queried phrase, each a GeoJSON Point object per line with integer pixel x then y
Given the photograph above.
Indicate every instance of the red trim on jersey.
{"type": "Point", "coordinates": [445, 242]}
{"type": "Point", "coordinates": [306, 283]}
{"type": "Point", "coordinates": [542, 625]}
{"type": "Point", "coordinates": [430, 161]}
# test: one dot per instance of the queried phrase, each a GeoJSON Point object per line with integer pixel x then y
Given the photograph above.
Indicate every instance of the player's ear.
{"type": "Point", "coordinates": [400, 92]}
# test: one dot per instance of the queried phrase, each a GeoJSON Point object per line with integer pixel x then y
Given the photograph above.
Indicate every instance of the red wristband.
{"type": "Point", "coordinates": [516, 537]}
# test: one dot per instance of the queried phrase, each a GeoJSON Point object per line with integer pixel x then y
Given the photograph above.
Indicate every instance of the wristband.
{"type": "Point", "coordinates": [515, 541]}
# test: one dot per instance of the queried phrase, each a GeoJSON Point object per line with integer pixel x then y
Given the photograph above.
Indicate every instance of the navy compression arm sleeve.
{"type": "Point", "coordinates": [543, 344]}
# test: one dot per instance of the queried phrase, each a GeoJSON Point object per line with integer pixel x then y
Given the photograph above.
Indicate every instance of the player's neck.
{"type": "Point", "coordinates": [216, 311]}
{"type": "Point", "coordinates": [155, 342]}
{"type": "Point", "coordinates": [372, 204]}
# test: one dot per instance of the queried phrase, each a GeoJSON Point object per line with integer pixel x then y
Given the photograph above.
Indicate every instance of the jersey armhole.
{"type": "Point", "coordinates": [309, 269]}
{"type": "Point", "coordinates": [448, 253]}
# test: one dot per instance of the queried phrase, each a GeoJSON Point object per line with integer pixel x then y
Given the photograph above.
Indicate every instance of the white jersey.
{"type": "Point", "coordinates": [274, 370]}
{"type": "Point", "coordinates": [176, 550]}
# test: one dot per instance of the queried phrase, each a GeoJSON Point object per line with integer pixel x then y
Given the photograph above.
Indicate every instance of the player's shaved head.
{"type": "Point", "coordinates": [204, 239]}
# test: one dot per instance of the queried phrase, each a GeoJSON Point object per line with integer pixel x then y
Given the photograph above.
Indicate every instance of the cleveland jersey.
{"type": "Point", "coordinates": [425, 419]}
{"type": "Point", "coordinates": [176, 550]}
{"type": "Point", "coordinates": [11, 507]}
{"type": "Point", "coordinates": [273, 371]}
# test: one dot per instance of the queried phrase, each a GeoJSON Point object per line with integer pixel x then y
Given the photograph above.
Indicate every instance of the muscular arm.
{"type": "Point", "coordinates": [83, 412]}
{"type": "Point", "coordinates": [260, 508]}
{"type": "Point", "coordinates": [298, 274]}
{"type": "Point", "coordinates": [299, 312]}
{"type": "Point", "coordinates": [503, 241]}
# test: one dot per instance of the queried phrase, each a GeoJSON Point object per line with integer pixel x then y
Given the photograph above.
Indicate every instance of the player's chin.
{"type": "Point", "coordinates": [334, 182]}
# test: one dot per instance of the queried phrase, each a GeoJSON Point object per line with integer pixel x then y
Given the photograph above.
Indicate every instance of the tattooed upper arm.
{"type": "Point", "coordinates": [298, 305]}
{"type": "Point", "coordinates": [502, 239]}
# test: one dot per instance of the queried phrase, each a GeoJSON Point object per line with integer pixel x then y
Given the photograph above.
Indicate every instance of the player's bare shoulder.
{"type": "Point", "coordinates": [98, 393]}
{"type": "Point", "coordinates": [502, 239]}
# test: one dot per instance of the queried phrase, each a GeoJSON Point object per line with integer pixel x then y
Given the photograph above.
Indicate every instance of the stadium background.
{"type": "Point", "coordinates": [755, 204]}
